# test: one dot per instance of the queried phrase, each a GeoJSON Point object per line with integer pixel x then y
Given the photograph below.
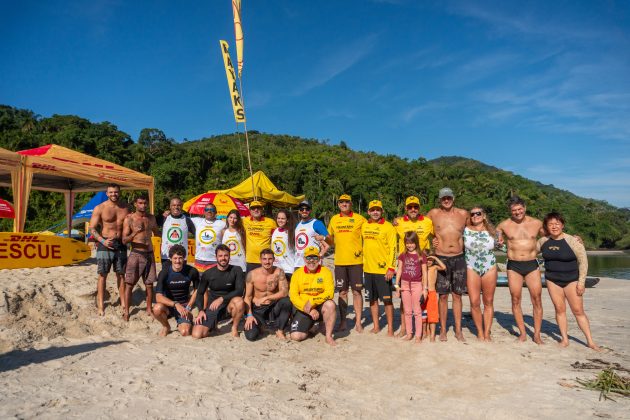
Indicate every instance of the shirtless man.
{"type": "Point", "coordinates": [266, 298]}
{"type": "Point", "coordinates": [521, 232]}
{"type": "Point", "coordinates": [110, 250]}
{"type": "Point", "coordinates": [448, 225]}
{"type": "Point", "coordinates": [137, 230]}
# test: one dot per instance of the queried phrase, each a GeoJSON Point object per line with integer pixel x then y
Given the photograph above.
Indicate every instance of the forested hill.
{"type": "Point", "coordinates": [312, 167]}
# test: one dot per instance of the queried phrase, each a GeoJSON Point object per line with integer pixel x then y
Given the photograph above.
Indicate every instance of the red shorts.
{"type": "Point", "coordinates": [431, 306]}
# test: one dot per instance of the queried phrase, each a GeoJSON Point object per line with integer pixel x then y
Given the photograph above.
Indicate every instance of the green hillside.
{"type": "Point", "coordinates": [315, 168]}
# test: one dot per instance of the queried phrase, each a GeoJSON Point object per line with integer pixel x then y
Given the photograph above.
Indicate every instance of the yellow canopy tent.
{"type": "Point", "coordinates": [263, 188]}
{"type": "Point", "coordinates": [56, 168]}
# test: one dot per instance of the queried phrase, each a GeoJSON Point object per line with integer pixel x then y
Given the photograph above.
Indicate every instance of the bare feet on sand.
{"type": "Point", "coordinates": [280, 334]}
{"type": "Point", "coordinates": [402, 334]}
{"type": "Point", "coordinates": [460, 337]}
{"type": "Point", "coordinates": [234, 331]}
{"type": "Point", "coordinates": [538, 340]}
{"type": "Point", "coordinates": [331, 341]}
{"type": "Point", "coordinates": [563, 343]}
{"type": "Point", "coordinates": [522, 338]}
{"type": "Point", "coordinates": [595, 347]}
{"type": "Point", "coordinates": [358, 328]}
{"type": "Point", "coordinates": [375, 330]}
{"type": "Point", "coordinates": [164, 331]}
{"type": "Point", "coordinates": [407, 337]}
{"type": "Point", "coordinates": [443, 336]}
{"type": "Point", "coordinates": [125, 316]}
{"type": "Point", "coordinates": [418, 340]}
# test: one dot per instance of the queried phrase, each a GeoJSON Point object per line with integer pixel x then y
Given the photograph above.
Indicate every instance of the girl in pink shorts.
{"type": "Point", "coordinates": [411, 278]}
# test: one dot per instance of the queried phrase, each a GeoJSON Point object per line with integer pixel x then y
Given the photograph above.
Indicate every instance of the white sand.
{"type": "Point", "coordinates": [57, 358]}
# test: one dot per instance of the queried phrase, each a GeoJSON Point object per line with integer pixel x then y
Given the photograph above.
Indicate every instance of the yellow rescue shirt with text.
{"type": "Point", "coordinates": [257, 237]}
{"type": "Point", "coordinates": [379, 247]}
{"type": "Point", "coordinates": [316, 287]}
{"type": "Point", "coordinates": [423, 226]}
{"type": "Point", "coordinates": [346, 234]}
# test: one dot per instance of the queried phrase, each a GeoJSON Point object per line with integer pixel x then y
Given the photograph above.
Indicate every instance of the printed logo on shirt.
{"type": "Point", "coordinates": [320, 280]}
{"type": "Point", "coordinates": [279, 248]}
{"type": "Point", "coordinates": [207, 236]}
{"type": "Point", "coordinates": [301, 240]}
{"type": "Point", "coordinates": [174, 234]}
{"type": "Point", "coordinates": [235, 247]}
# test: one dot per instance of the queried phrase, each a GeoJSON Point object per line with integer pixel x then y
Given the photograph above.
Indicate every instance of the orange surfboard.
{"type": "Point", "coordinates": [30, 250]}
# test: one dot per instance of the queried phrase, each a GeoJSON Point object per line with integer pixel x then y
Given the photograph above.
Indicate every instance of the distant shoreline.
{"type": "Point", "coordinates": [605, 252]}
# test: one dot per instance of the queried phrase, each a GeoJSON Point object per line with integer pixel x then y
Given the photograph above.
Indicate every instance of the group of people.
{"type": "Point", "coordinates": [270, 271]}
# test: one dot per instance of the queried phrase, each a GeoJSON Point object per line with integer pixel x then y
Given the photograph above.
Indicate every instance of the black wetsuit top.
{"type": "Point", "coordinates": [226, 284]}
{"type": "Point", "coordinates": [561, 264]}
{"type": "Point", "coordinates": [176, 285]}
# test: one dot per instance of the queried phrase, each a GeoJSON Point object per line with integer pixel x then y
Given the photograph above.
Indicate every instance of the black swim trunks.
{"type": "Point", "coordinates": [376, 287]}
{"type": "Point", "coordinates": [349, 276]}
{"type": "Point", "coordinates": [274, 316]}
{"type": "Point", "coordinates": [219, 314]}
{"type": "Point", "coordinates": [302, 322]}
{"type": "Point", "coordinates": [106, 257]}
{"type": "Point", "coordinates": [453, 279]}
{"type": "Point", "coordinates": [523, 267]}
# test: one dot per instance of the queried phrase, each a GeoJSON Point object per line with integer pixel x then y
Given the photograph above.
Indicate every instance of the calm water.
{"type": "Point", "coordinates": [617, 265]}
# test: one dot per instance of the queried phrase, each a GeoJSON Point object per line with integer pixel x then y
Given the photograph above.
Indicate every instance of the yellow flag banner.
{"type": "Point", "coordinates": [238, 34]}
{"type": "Point", "coordinates": [237, 105]}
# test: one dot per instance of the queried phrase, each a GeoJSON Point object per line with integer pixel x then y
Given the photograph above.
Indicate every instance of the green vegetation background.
{"type": "Point", "coordinates": [312, 167]}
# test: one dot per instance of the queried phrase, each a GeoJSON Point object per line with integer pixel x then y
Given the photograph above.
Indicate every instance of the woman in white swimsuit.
{"type": "Point", "coordinates": [481, 273]}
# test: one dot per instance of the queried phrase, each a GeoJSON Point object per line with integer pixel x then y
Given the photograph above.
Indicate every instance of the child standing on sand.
{"type": "Point", "coordinates": [411, 278]}
{"type": "Point", "coordinates": [430, 304]}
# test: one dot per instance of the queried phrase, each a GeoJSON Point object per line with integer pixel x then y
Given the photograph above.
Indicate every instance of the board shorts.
{"type": "Point", "coordinates": [173, 313]}
{"type": "Point", "coordinates": [274, 316]}
{"type": "Point", "coordinates": [523, 267]}
{"type": "Point", "coordinates": [202, 265]}
{"type": "Point", "coordinates": [349, 276]}
{"type": "Point", "coordinates": [453, 279]}
{"type": "Point", "coordinates": [219, 314]}
{"type": "Point", "coordinates": [302, 322]}
{"type": "Point", "coordinates": [430, 308]}
{"type": "Point", "coordinates": [140, 264]}
{"type": "Point", "coordinates": [106, 258]}
{"type": "Point", "coordinates": [376, 287]}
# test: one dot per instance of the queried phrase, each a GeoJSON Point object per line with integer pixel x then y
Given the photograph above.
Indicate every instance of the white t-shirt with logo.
{"type": "Point", "coordinates": [174, 232]}
{"type": "Point", "coordinates": [208, 236]}
{"type": "Point", "coordinates": [237, 253]}
{"type": "Point", "coordinates": [285, 256]}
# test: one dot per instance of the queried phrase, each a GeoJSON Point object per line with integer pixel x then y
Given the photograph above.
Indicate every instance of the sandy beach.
{"type": "Point", "coordinates": [58, 358]}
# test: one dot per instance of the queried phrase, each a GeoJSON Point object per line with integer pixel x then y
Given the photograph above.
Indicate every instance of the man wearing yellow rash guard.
{"type": "Point", "coordinates": [379, 264]}
{"type": "Point", "coordinates": [258, 230]}
{"type": "Point", "coordinates": [412, 221]}
{"type": "Point", "coordinates": [311, 292]}
{"type": "Point", "coordinates": [345, 231]}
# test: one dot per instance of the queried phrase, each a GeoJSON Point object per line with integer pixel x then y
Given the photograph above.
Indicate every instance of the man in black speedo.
{"type": "Point", "coordinates": [173, 296]}
{"type": "Point", "coordinates": [220, 293]}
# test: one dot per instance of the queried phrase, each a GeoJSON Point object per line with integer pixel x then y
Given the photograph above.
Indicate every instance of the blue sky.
{"type": "Point", "coordinates": [538, 88]}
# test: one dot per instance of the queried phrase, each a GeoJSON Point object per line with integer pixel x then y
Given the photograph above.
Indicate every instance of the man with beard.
{"type": "Point", "coordinates": [220, 294]}
{"type": "Point", "coordinates": [137, 230]}
{"type": "Point", "coordinates": [110, 250]}
{"type": "Point", "coordinates": [266, 298]}
{"type": "Point", "coordinates": [309, 232]}
{"type": "Point", "coordinates": [176, 227]}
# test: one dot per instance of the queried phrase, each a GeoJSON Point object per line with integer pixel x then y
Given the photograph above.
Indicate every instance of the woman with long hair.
{"type": "Point", "coordinates": [481, 273]}
{"type": "Point", "coordinates": [283, 242]}
{"type": "Point", "coordinates": [234, 238]}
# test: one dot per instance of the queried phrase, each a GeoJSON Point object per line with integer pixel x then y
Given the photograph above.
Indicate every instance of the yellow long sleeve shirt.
{"type": "Point", "coordinates": [379, 247]}
{"type": "Point", "coordinates": [346, 233]}
{"type": "Point", "coordinates": [316, 287]}
{"type": "Point", "coordinates": [257, 236]}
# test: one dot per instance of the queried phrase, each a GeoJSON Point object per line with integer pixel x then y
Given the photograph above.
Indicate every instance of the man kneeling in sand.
{"type": "Point", "coordinates": [220, 293]}
{"type": "Point", "coordinates": [173, 292]}
{"type": "Point", "coordinates": [266, 298]}
{"type": "Point", "coordinates": [311, 292]}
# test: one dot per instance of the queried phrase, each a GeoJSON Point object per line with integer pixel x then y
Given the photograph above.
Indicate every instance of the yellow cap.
{"type": "Point", "coordinates": [311, 251]}
{"type": "Point", "coordinates": [375, 203]}
{"type": "Point", "coordinates": [256, 203]}
{"type": "Point", "coordinates": [412, 200]}
{"type": "Point", "coordinates": [345, 197]}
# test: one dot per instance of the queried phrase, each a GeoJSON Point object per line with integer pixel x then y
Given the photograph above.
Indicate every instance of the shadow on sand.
{"type": "Point", "coordinates": [18, 358]}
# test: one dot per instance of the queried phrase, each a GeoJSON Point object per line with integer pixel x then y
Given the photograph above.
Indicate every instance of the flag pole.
{"type": "Point", "coordinates": [249, 159]}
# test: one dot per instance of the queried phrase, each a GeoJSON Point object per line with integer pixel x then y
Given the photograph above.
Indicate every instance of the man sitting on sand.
{"type": "Point", "coordinates": [137, 230]}
{"type": "Point", "coordinates": [110, 250]}
{"type": "Point", "coordinates": [266, 298]}
{"type": "Point", "coordinates": [521, 232]}
{"type": "Point", "coordinates": [220, 293]}
{"type": "Point", "coordinates": [173, 292]}
{"type": "Point", "coordinates": [311, 292]}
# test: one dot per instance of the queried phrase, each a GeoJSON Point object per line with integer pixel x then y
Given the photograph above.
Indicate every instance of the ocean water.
{"type": "Point", "coordinates": [610, 265]}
